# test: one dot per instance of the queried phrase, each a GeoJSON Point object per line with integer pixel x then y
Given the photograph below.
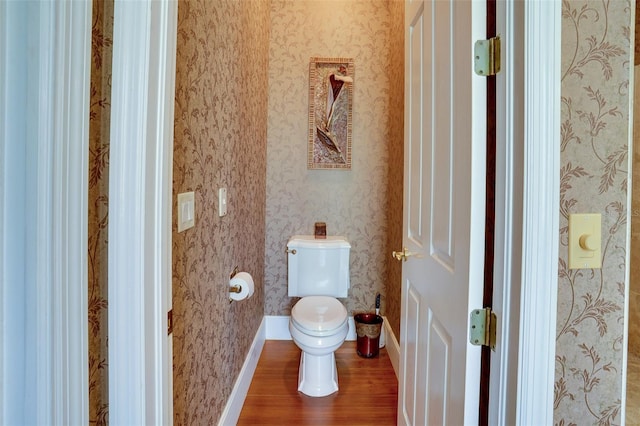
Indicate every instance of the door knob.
{"type": "Point", "coordinates": [403, 255]}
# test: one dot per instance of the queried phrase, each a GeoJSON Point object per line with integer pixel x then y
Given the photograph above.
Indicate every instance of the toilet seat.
{"type": "Point", "coordinates": [318, 315]}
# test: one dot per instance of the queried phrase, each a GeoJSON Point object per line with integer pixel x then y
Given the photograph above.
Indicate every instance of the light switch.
{"type": "Point", "coordinates": [585, 241]}
{"type": "Point", "coordinates": [186, 211]}
{"type": "Point", "coordinates": [222, 202]}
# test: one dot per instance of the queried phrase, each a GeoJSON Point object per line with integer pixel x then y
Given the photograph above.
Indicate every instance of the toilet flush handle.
{"type": "Point", "coordinates": [290, 251]}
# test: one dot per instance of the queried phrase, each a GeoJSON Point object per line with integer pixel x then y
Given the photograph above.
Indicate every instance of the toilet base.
{"type": "Point", "coordinates": [318, 375]}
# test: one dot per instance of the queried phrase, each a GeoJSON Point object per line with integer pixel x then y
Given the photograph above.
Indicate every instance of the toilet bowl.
{"type": "Point", "coordinates": [318, 326]}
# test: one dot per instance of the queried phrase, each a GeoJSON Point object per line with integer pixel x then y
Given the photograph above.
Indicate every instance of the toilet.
{"type": "Point", "coordinates": [318, 273]}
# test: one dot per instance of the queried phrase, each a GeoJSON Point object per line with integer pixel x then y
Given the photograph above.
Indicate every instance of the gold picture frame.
{"type": "Point", "coordinates": [330, 113]}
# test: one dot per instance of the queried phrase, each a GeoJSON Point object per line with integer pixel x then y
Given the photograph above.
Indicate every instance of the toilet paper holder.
{"type": "Point", "coordinates": [234, 288]}
{"type": "Point", "coordinates": [241, 285]}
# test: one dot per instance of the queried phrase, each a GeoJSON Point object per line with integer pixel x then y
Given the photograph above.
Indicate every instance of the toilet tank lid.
{"type": "Point", "coordinates": [309, 241]}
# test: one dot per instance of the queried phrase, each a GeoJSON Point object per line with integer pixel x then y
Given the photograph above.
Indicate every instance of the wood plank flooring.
{"type": "Point", "coordinates": [368, 391]}
{"type": "Point", "coordinates": [633, 390]}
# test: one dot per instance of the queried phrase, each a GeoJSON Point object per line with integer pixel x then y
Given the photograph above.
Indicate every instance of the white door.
{"type": "Point", "coordinates": [443, 213]}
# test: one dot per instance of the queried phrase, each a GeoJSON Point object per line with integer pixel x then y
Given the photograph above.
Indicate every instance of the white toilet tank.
{"type": "Point", "coordinates": [319, 267]}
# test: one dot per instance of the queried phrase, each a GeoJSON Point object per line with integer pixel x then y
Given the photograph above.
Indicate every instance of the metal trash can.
{"type": "Point", "coordinates": [368, 327]}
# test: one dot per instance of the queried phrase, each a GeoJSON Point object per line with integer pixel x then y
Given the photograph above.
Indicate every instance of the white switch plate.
{"type": "Point", "coordinates": [186, 211]}
{"type": "Point", "coordinates": [222, 202]}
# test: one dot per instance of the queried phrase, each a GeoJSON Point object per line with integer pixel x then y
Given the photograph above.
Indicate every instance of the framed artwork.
{"type": "Point", "coordinates": [330, 113]}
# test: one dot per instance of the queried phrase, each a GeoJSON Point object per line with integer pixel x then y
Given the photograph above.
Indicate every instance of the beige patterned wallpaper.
{"type": "Point", "coordinates": [365, 203]}
{"type": "Point", "coordinates": [594, 179]}
{"type": "Point", "coordinates": [220, 141]}
{"type": "Point", "coordinates": [99, 122]}
{"type": "Point", "coordinates": [633, 353]}
{"type": "Point", "coordinates": [393, 280]}
{"type": "Point", "coordinates": [634, 267]}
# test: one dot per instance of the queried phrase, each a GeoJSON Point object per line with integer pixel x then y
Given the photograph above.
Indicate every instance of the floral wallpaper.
{"type": "Point", "coordinates": [101, 50]}
{"type": "Point", "coordinates": [220, 139]}
{"type": "Point", "coordinates": [365, 203]}
{"type": "Point", "coordinates": [632, 409]}
{"type": "Point", "coordinates": [634, 267]}
{"type": "Point", "coordinates": [594, 179]}
{"type": "Point", "coordinates": [393, 280]}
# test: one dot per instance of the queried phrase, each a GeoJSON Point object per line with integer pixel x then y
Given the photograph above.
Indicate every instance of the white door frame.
{"type": "Point", "coordinates": [540, 234]}
{"type": "Point", "coordinates": [44, 149]}
{"type": "Point", "coordinates": [527, 183]}
{"type": "Point", "coordinates": [140, 211]}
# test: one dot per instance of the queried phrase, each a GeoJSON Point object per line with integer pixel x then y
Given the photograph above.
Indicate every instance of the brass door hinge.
{"type": "Point", "coordinates": [170, 322]}
{"type": "Point", "coordinates": [482, 328]}
{"type": "Point", "coordinates": [486, 56]}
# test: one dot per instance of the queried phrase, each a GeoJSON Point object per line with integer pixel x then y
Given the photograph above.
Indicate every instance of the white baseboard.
{"type": "Point", "coordinates": [232, 410]}
{"type": "Point", "coordinates": [277, 327]}
{"type": "Point", "coordinates": [393, 348]}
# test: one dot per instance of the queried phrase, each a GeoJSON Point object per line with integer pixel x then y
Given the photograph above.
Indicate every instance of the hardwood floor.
{"type": "Point", "coordinates": [633, 390]}
{"type": "Point", "coordinates": [368, 391]}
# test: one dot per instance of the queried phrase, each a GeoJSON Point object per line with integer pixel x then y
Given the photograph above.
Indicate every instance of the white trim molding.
{"type": "Point", "coordinates": [232, 410]}
{"type": "Point", "coordinates": [69, 197]}
{"type": "Point", "coordinates": [508, 230]}
{"type": "Point", "coordinates": [392, 346]}
{"type": "Point", "coordinates": [539, 277]}
{"type": "Point", "coordinates": [277, 327]}
{"type": "Point", "coordinates": [49, 119]}
{"type": "Point", "coordinates": [140, 211]}
{"type": "Point", "coordinates": [4, 241]}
